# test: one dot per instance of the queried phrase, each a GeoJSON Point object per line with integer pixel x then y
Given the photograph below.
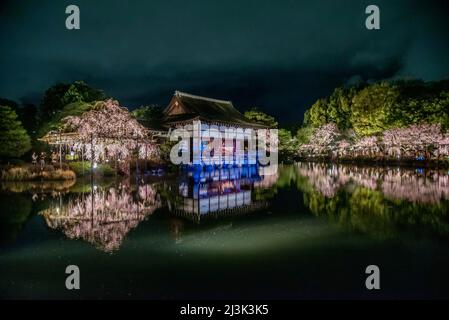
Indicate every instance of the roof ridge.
{"type": "Point", "coordinates": [180, 93]}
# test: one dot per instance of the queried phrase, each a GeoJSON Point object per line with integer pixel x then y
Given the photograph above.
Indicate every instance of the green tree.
{"type": "Point", "coordinates": [14, 140]}
{"type": "Point", "coordinates": [372, 109]}
{"type": "Point", "coordinates": [316, 116]}
{"type": "Point", "coordinates": [339, 107]}
{"type": "Point", "coordinates": [10, 103]}
{"type": "Point", "coordinates": [27, 114]}
{"type": "Point", "coordinates": [71, 95]}
{"type": "Point", "coordinates": [61, 94]}
{"type": "Point", "coordinates": [303, 135]}
{"type": "Point", "coordinates": [421, 102]}
{"type": "Point", "coordinates": [288, 145]}
{"type": "Point", "coordinates": [52, 100]}
{"type": "Point", "coordinates": [72, 109]}
{"type": "Point", "coordinates": [88, 93]}
{"type": "Point", "coordinates": [261, 117]}
{"type": "Point", "coordinates": [150, 116]}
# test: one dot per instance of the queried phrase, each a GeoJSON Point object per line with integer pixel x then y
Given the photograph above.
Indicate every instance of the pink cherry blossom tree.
{"type": "Point", "coordinates": [108, 131]}
{"type": "Point", "coordinates": [323, 142]}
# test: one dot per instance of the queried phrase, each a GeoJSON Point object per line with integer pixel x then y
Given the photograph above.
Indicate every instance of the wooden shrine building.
{"type": "Point", "coordinates": [192, 111]}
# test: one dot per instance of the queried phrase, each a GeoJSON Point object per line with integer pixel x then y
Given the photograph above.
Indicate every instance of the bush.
{"type": "Point", "coordinates": [32, 173]}
{"type": "Point", "coordinates": [58, 175]}
{"type": "Point", "coordinates": [102, 169]}
{"type": "Point", "coordinates": [77, 167]}
{"type": "Point", "coordinates": [18, 174]}
{"type": "Point", "coordinates": [105, 170]}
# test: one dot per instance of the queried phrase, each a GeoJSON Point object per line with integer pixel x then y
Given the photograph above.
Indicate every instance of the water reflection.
{"type": "Point", "coordinates": [312, 214]}
{"type": "Point", "coordinates": [379, 201]}
{"type": "Point", "coordinates": [415, 185]}
{"type": "Point", "coordinates": [218, 192]}
{"type": "Point", "coordinates": [36, 187]}
{"type": "Point", "coordinates": [103, 216]}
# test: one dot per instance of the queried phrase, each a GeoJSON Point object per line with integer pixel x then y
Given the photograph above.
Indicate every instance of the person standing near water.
{"type": "Point", "coordinates": [54, 158]}
{"type": "Point", "coordinates": [42, 160]}
{"type": "Point", "coordinates": [34, 159]}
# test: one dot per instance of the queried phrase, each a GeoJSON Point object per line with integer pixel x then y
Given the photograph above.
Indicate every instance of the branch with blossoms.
{"type": "Point", "coordinates": [416, 141]}
{"type": "Point", "coordinates": [109, 131]}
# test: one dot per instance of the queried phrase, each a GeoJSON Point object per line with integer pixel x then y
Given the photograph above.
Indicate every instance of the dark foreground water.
{"type": "Point", "coordinates": [307, 232]}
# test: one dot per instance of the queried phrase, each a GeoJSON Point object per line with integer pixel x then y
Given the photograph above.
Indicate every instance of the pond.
{"type": "Point", "coordinates": [309, 231]}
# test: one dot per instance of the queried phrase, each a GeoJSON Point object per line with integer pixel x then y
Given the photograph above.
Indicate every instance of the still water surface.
{"type": "Point", "coordinates": [307, 232]}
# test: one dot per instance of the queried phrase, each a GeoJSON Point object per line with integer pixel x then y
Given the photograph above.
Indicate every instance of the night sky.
{"type": "Point", "coordinates": [277, 55]}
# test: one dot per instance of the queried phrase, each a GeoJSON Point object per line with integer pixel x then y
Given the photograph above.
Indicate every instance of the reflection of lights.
{"type": "Point", "coordinates": [102, 218]}
{"type": "Point", "coordinates": [95, 165]}
{"type": "Point", "coordinates": [72, 153]}
{"type": "Point", "coordinates": [396, 183]}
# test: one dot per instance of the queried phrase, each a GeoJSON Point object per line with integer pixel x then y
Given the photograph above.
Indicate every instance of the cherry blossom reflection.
{"type": "Point", "coordinates": [414, 185]}
{"type": "Point", "coordinates": [102, 217]}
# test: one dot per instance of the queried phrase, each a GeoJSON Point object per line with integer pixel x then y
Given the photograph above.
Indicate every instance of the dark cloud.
{"type": "Point", "coordinates": [278, 55]}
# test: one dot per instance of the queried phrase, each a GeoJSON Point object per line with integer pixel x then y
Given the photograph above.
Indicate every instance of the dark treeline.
{"type": "Point", "coordinates": [336, 124]}
{"type": "Point", "coordinates": [22, 124]}
{"type": "Point", "coordinates": [399, 120]}
{"type": "Point", "coordinates": [372, 109]}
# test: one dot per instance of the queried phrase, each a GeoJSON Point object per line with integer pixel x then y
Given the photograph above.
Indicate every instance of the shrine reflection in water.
{"type": "Point", "coordinates": [103, 214]}
{"type": "Point", "coordinates": [352, 215]}
{"type": "Point", "coordinates": [218, 192]}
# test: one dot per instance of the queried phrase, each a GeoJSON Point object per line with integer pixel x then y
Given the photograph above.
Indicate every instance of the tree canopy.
{"type": "Point", "coordinates": [14, 140]}
{"type": "Point", "coordinates": [374, 108]}
{"type": "Point", "coordinates": [58, 96]}
{"type": "Point", "coordinates": [287, 146]}
{"type": "Point", "coordinates": [399, 119]}
{"type": "Point", "coordinates": [111, 130]}
{"type": "Point", "coordinates": [27, 114]}
{"type": "Point", "coordinates": [261, 117]}
{"type": "Point", "coordinates": [72, 109]}
{"type": "Point", "coordinates": [150, 116]}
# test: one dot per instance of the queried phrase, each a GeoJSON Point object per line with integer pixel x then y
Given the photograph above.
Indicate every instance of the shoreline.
{"type": "Point", "coordinates": [411, 164]}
